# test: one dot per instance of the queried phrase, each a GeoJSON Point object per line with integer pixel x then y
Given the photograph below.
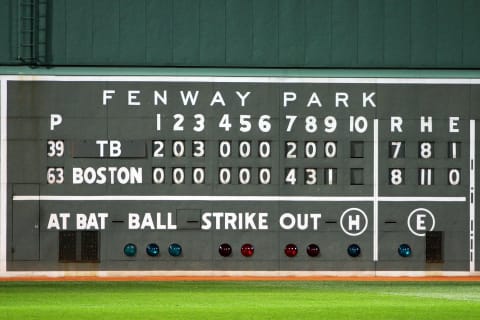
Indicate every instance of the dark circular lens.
{"type": "Point", "coordinates": [130, 250]}
{"type": "Point", "coordinates": [291, 250]}
{"type": "Point", "coordinates": [175, 249]}
{"type": "Point", "coordinates": [225, 250]}
{"type": "Point", "coordinates": [153, 250]}
{"type": "Point", "coordinates": [313, 250]}
{"type": "Point", "coordinates": [354, 250]}
{"type": "Point", "coordinates": [404, 250]}
{"type": "Point", "coordinates": [247, 250]}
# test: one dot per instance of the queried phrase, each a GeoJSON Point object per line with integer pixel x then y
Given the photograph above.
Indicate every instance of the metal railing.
{"type": "Point", "coordinates": [32, 32]}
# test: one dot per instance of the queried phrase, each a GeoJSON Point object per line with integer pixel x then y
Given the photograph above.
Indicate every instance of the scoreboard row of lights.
{"type": "Point", "coordinates": [247, 250]}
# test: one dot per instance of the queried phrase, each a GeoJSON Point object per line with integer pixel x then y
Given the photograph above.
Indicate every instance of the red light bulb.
{"type": "Point", "coordinates": [313, 250]}
{"type": "Point", "coordinates": [291, 250]}
{"type": "Point", "coordinates": [247, 250]}
{"type": "Point", "coordinates": [225, 250]}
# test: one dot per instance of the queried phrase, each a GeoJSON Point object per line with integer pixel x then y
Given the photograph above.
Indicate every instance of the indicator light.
{"type": "Point", "coordinates": [247, 250]}
{"type": "Point", "coordinates": [225, 250]}
{"type": "Point", "coordinates": [153, 250]}
{"type": "Point", "coordinates": [404, 250]}
{"type": "Point", "coordinates": [291, 250]}
{"type": "Point", "coordinates": [130, 250]}
{"type": "Point", "coordinates": [175, 250]}
{"type": "Point", "coordinates": [353, 250]}
{"type": "Point", "coordinates": [313, 250]}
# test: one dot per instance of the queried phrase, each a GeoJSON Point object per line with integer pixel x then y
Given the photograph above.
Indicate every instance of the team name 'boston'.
{"type": "Point", "coordinates": [136, 98]}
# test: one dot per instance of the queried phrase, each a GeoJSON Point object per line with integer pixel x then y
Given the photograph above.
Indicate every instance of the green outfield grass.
{"type": "Point", "coordinates": [239, 300]}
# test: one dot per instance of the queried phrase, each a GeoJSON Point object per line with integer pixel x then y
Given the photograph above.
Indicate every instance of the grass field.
{"type": "Point", "coordinates": [240, 300]}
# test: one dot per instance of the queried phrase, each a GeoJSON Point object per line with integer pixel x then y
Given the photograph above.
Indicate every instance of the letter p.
{"type": "Point", "coordinates": [55, 120]}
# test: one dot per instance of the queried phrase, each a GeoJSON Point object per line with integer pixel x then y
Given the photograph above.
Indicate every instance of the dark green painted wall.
{"type": "Point", "coordinates": [5, 32]}
{"type": "Point", "coordinates": [256, 33]}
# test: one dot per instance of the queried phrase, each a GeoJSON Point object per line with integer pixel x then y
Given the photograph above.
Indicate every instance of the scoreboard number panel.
{"type": "Point", "coordinates": [219, 174]}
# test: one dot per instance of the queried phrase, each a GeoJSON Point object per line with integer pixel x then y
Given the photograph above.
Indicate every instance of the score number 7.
{"type": "Point", "coordinates": [397, 149]}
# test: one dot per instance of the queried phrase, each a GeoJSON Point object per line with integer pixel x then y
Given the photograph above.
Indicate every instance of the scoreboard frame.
{"type": "Point", "coordinates": [375, 198]}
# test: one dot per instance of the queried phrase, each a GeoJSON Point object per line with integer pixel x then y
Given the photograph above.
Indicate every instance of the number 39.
{"type": "Point", "coordinates": [55, 148]}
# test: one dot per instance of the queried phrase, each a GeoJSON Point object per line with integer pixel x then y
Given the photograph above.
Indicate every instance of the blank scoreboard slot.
{"type": "Point", "coordinates": [356, 176]}
{"type": "Point", "coordinates": [112, 149]}
{"type": "Point", "coordinates": [188, 219]}
{"type": "Point", "coordinates": [357, 149]}
{"type": "Point", "coordinates": [434, 247]}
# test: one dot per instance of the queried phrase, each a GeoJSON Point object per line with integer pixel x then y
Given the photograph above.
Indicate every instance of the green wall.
{"type": "Point", "coordinates": [6, 55]}
{"type": "Point", "coordinates": [256, 33]}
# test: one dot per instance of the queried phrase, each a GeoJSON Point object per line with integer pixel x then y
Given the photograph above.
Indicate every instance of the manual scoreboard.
{"type": "Point", "coordinates": [238, 174]}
